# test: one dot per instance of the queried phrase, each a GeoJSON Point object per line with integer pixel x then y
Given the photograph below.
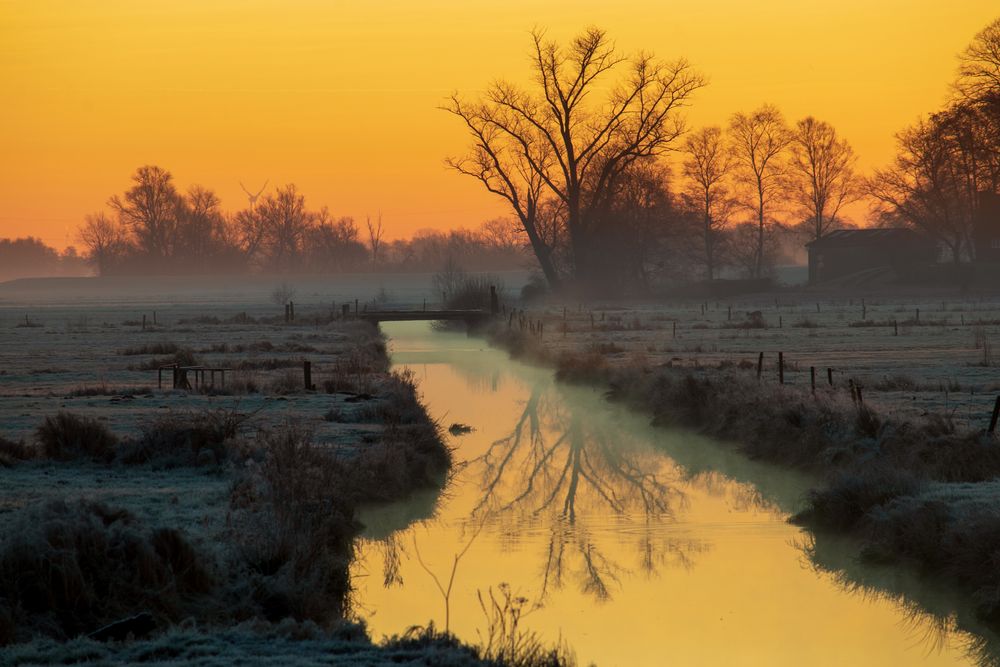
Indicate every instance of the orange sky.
{"type": "Point", "coordinates": [340, 96]}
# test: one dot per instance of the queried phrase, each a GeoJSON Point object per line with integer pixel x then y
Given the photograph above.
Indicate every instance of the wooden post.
{"type": "Point", "coordinates": [355, 306]}
{"type": "Point", "coordinates": [918, 314]}
{"type": "Point", "coordinates": [730, 315]}
{"type": "Point", "coordinates": [779, 321]}
{"type": "Point", "coordinates": [812, 378]}
{"type": "Point", "coordinates": [307, 374]}
{"type": "Point", "coordinates": [861, 400]}
{"type": "Point", "coordinates": [760, 364]}
{"type": "Point", "coordinates": [291, 311]}
{"type": "Point", "coordinates": [159, 378]}
{"type": "Point", "coordinates": [286, 313]}
{"type": "Point", "coordinates": [781, 368]}
{"type": "Point", "coordinates": [425, 305]}
{"type": "Point", "coordinates": [144, 321]}
{"type": "Point", "coordinates": [154, 318]}
{"type": "Point", "coordinates": [854, 393]}
{"type": "Point", "coordinates": [895, 328]}
{"type": "Point", "coordinates": [829, 376]}
{"type": "Point", "coordinates": [817, 307]}
{"type": "Point", "coordinates": [996, 414]}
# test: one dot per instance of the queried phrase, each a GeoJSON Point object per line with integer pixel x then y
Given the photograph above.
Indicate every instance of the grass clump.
{"type": "Point", "coordinates": [66, 436]}
{"type": "Point", "coordinates": [70, 568]}
{"type": "Point", "coordinates": [14, 452]}
{"type": "Point", "coordinates": [186, 438]}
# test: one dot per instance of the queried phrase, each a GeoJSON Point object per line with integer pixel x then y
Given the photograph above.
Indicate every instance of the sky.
{"type": "Point", "coordinates": [342, 97]}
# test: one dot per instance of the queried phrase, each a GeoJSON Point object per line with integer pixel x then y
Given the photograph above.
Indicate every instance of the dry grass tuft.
{"type": "Point", "coordinates": [68, 569]}
{"type": "Point", "coordinates": [67, 436]}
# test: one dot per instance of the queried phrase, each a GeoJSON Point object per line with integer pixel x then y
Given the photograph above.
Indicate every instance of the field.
{"type": "Point", "coordinates": [231, 502]}
{"type": "Point", "coordinates": [910, 354]}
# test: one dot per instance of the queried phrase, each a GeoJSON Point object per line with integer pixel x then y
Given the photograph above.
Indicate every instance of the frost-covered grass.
{"type": "Point", "coordinates": [218, 504]}
{"type": "Point", "coordinates": [899, 436]}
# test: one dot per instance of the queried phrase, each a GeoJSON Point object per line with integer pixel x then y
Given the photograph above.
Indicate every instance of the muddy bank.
{"type": "Point", "coordinates": [915, 490]}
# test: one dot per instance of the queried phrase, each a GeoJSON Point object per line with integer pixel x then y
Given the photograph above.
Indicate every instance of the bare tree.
{"type": "Point", "coordinates": [149, 210]}
{"type": "Point", "coordinates": [979, 65]}
{"type": "Point", "coordinates": [822, 174]}
{"type": "Point", "coordinates": [556, 138]}
{"type": "Point", "coordinates": [759, 140]}
{"type": "Point", "coordinates": [105, 240]}
{"type": "Point", "coordinates": [924, 188]}
{"type": "Point", "coordinates": [375, 235]}
{"type": "Point", "coordinates": [708, 166]}
{"type": "Point", "coordinates": [501, 233]}
{"type": "Point", "coordinates": [284, 221]}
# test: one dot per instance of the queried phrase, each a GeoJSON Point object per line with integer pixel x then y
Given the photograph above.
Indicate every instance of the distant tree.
{"type": "Point", "coordinates": [822, 174]}
{"type": "Point", "coordinates": [201, 235]}
{"type": "Point", "coordinates": [501, 233]}
{"type": "Point", "coordinates": [285, 222]}
{"type": "Point", "coordinates": [759, 140]}
{"type": "Point", "coordinates": [708, 167]}
{"type": "Point", "coordinates": [559, 139]}
{"type": "Point", "coordinates": [105, 241]}
{"type": "Point", "coordinates": [149, 210]}
{"type": "Point", "coordinates": [375, 235]}
{"type": "Point", "coordinates": [334, 245]}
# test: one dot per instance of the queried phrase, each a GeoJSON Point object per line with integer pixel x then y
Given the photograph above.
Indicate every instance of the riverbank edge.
{"type": "Point", "coordinates": [413, 456]}
{"type": "Point", "coordinates": [912, 494]}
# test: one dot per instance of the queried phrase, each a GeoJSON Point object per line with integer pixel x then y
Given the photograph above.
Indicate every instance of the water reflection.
{"type": "Point", "coordinates": [567, 471]}
{"type": "Point", "coordinates": [642, 545]}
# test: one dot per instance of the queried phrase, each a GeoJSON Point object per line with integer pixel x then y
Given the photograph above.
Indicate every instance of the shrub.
{"type": "Point", "coordinates": [68, 436]}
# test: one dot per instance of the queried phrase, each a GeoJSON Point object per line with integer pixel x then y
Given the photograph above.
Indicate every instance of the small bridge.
{"type": "Point", "coordinates": [468, 316]}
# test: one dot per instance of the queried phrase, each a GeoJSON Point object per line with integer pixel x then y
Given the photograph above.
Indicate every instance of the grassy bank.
{"type": "Point", "coordinates": [918, 490]}
{"type": "Point", "coordinates": [212, 521]}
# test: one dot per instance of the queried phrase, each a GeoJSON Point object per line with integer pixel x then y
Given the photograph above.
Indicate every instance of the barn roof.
{"type": "Point", "coordinates": [845, 238]}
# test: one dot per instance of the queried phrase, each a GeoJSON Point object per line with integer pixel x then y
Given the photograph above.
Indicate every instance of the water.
{"type": "Point", "coordinates": [635, 545]}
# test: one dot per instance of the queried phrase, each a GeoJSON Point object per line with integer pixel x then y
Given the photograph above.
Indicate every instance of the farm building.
{"type": "Point", "coordinates": [986, 228]}
{"type": "Point", "coordinates": [850, 251]}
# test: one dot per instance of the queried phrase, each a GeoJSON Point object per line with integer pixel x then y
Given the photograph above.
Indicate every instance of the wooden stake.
{"type": "Point", "coordinates": [760, 364]}
{"type": "Point", "coordinates": [781, 368]}
{"type": "Point", "coordinates": [307, 374]}
{"type": "Point", "coordinates": [996, 414]}
{"type": "Point", "coordinates": [812, 378]}
{"type": "Point", "coordinates": [829, 376]}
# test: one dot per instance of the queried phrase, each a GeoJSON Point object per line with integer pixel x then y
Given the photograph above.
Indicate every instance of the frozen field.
{"type": "Point", "coordinates": [942, 359]}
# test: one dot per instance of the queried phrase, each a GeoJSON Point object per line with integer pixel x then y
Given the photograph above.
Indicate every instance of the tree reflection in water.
{"type": "Point", "coordinates": [587, 484]}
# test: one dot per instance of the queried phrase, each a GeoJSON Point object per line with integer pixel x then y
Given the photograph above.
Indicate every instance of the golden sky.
{"type": "Point", "coordinates": [341, 97]}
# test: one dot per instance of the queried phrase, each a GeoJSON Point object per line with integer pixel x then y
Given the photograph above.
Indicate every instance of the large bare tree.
{"type": "Point", "coordinates": [708, 166]}
{"type": "Point", "coordinates": [556, 138]}
{"type": "Point", "coordinates": [925, 188]}
{"type": "Point", "coordinates": [105, 240]}
{"type": "Point", "coordinates": [823, 177]}
{"type": "Point", "coordinates": [149, 210]}
{"type": "Point", "coordinates": [759, 140]}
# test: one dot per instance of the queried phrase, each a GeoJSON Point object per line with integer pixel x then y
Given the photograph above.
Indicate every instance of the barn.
{"type": "Point", "coordinates": [849, 251]}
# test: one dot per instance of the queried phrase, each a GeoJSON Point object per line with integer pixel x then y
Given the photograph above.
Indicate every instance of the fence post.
{"type": "Point", "coordinates": [307, 374]}
{"type": "Point", "coordinates": [144, 321]}
{"type": "Point", "coordinates": [760, 364]}
{"type": "Point", "coordinates": [829, 376]}
{"type": "Point", "coordinates": [781, 368]}
{"type": "Point", "coordinates": [996, 414]}
{"type": "Point", "coordinates": [812, 378]}
{"type": "Point", "coordinates": [895, 328]}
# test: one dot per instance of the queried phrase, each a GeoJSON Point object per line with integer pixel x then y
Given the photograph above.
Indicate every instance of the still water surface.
{"type": "Point", "coordinates": [637, 545]}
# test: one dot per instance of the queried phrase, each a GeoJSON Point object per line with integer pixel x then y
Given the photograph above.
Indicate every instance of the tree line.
{"type": "Point", "coordinates": [153, 227]}
{"type": "Point", "coordinates": [585, 158]}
